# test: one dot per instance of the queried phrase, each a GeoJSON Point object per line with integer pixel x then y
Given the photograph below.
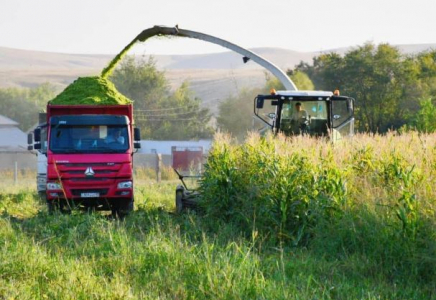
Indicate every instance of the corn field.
{"type": "Point", "coordinates": [371, 194]}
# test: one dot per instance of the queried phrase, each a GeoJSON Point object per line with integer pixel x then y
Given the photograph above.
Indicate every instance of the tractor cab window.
{"type": "Point", "coordinates": [342, 111]}
{"type": "Point", "coordinates": [342, 118]}
{"type": "Point", "coordinates": [308, 117]}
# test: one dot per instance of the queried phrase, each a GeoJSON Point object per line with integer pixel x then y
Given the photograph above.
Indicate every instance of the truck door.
{"type": "Point", "coordinates": [41, 176]}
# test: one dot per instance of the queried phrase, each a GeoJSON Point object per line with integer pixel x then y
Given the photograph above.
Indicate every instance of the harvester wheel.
{"type": "Point", "coordinates": [179, 201]}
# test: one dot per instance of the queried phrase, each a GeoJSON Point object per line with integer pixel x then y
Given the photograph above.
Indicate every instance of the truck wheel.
{"type": "Point", "coordinates": [52, 206]}
{"type": "Point", "coordinates": [179, 201]}
{"type": "Point", "coordinates": [129, 206]}
{"type": "Point", "coordinates": [123, 208]}
{"type": "Point", "coordinates": [58, 206]}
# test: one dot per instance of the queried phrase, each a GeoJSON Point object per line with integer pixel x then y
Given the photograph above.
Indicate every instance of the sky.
{"type": "Point", "coordinates": [106, 26]}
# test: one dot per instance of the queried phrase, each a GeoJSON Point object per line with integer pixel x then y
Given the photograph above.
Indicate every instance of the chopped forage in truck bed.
{"type": "Point", "coordinates": [91, 91]}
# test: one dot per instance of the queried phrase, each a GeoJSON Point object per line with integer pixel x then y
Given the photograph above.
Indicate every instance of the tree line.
{"type": "Point", "coordinates": [392, 90]}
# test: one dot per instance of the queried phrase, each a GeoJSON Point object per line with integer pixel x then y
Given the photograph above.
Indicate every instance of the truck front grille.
{"type": "Point", "coordinates": [81, 179]}
{"type": "Point", "coordinates": [89, 164]}
{"type": "Point", "coordinates": [81, 172]}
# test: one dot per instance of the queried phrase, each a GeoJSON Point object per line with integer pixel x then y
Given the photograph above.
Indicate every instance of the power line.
{"type": "Point", "coordinates": [165, 115]}
{"type": "Point", "coordinates": [169, 120]}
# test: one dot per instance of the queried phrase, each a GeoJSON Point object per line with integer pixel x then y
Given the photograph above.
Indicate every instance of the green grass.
{"type": "Point", "coordinates": [370, 250]}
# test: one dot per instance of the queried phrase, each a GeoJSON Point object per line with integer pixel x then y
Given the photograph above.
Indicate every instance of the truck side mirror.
{"type": "Point", "coordinates": [37, 146]}
{"type": "Point", "coordinates": [30, 139]}
{"type": "Point", "coordinates": [30, 147]}
{"type": "Point", "coordinates": [137, 134]}
{"type": "Point", "coordinates": [137, 145]}
{"type": "Point", "coordinates": [37, 134]}
{"type": "Point", "coordinates": [259, 103]}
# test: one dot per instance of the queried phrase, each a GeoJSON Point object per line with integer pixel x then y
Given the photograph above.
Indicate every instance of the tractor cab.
{"type": "Point", "coordinates": [314, 113]}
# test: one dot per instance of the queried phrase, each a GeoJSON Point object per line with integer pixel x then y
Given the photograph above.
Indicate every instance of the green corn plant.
{"type": "Point", "coordinates": [401, 180]}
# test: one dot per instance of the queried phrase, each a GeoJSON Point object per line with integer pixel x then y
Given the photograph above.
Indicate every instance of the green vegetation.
{"type": "Point", "coordinates": [386, 84]}
{"type": "Point", "coordinates": [90, 91]}
{"type": "Point", "coordinates": [160, 113]}
{"type": "Point", "coordinates": [314, 221]}
{"type": "Point", "coordinates": [236, 113]}
{"type": "Point", "coordinates": [368, 200]}
{"type": "Point", "coordinates": [22, 105]}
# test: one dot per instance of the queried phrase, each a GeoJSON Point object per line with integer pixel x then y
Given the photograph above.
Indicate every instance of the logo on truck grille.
{"type": "Point", "coordinates": [89, 172]}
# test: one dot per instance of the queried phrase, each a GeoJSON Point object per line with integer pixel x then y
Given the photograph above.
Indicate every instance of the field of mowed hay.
{"type": "Point", "coordinates": [280, 219]}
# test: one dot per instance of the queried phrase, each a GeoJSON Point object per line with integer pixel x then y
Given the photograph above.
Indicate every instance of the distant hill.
{"type": "Point", "coordinates": [213, 76]}
{"type": "Point", "coordinates": [13, 59]}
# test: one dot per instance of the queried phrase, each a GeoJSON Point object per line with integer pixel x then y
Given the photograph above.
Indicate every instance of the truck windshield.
{"type": "Point", "coordinates": [89, 138]}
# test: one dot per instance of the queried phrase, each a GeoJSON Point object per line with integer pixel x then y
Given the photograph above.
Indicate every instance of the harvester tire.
{"type": "Point", "coordinates": [179, 201]}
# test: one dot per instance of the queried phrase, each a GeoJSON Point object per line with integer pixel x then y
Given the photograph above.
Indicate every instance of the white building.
{"type": "Point", "coordinates": [13, 146]}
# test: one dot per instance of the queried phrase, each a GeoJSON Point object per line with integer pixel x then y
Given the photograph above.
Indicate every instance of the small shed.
{"type": "Point", "coordinates": [13, 146]}
{"type": "Point", "coordinates": [146, 156]}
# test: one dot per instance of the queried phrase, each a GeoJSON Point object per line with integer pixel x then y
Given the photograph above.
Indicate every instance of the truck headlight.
{"type": "Point", "coordinates": [125, 185]}
{"type": "Point", "coordinates": [53, 186]}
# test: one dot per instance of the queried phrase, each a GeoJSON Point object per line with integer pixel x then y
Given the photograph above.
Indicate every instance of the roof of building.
{"type": "Point", "coordinates": [12, 139]}
{"type": "Point", "coordinates": [5, 121]}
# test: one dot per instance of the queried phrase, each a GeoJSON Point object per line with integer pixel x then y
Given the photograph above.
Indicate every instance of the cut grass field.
{"type": "Point", "coordinates": [379, 243]}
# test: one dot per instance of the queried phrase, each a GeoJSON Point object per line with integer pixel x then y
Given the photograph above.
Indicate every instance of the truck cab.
{"type": "Point", "coordinates": [89, 157]}
{"type": "Point", "coordinates": [313, 113]}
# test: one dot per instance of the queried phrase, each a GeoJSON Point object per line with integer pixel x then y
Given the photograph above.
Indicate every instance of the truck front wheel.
{"type": "Point", "coordinates": [56, 205]}
{"type": "Point", "coordinates": [122, 208]}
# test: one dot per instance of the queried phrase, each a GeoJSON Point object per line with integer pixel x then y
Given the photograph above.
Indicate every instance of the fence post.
{"type": "Point", "coordinates": [16, 173]}
{"type": "Point", "coordinates": [158, 167]}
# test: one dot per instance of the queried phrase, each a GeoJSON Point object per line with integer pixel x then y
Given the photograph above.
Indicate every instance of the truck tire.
{"type": "Point", "coordinates": [56, 205]}
{"type": "Point", "coordinates": [122, 208]}
{"type": "Point", "coordinates": [52, 206]}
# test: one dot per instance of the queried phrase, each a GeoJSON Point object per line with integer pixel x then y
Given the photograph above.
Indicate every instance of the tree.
{"type": "Point", "coordinates": [187, 120]}
{"type": "Point", "coordinates": [299, 78]}
{"type": "Point", "coordinates": [22, 105]}
{"type": "Point", "coordinates": [159, 113]}
{"type": "Point", "coordinates": [235, 114]}
{"type": "Point", "coordinates": [378, 77]}
{"type": "Point", "coordinates": [425, 119]}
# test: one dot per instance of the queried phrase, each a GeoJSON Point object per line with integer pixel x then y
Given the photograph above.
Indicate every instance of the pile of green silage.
{"type": "Point", "coordinates": [91, 91]}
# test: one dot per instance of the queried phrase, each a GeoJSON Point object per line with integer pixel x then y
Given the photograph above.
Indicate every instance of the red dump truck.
{"type": "Point", "coordinates": [89, 152]}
